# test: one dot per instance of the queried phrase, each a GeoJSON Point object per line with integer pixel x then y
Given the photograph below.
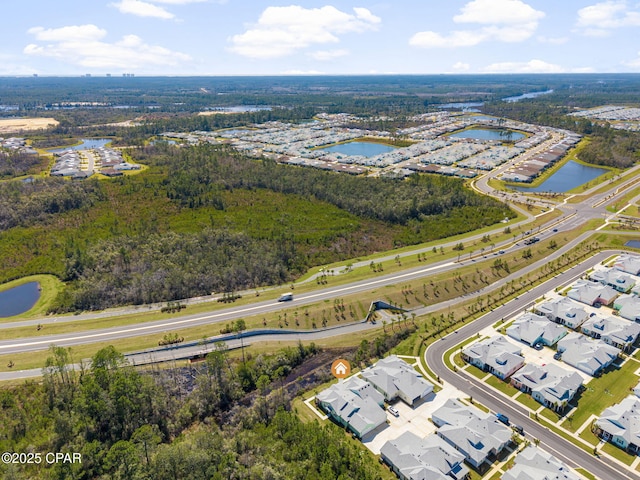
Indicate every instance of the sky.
{"type": "Point", "coordinates": [304, 37]}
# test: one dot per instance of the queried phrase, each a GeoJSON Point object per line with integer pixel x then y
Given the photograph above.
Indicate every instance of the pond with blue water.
{"type": "Point", "coordinates": [489, 134]}
{"type": "Point", "coordinates": [19, 299]}
{"type": "Point", "coordinates": [524, 96]}
{"type": "Point", "coordinates": [570, 175]}
{"type": "Point", "coordinates": [365, 149]}
{"type": "Point", "coordinates": [86, 144]}
{"type": "Point", "coordinates": [633, 244]}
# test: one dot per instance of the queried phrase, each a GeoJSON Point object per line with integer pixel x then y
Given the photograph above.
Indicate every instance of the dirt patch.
{"type": "Point", "coordinates": [12, 125]}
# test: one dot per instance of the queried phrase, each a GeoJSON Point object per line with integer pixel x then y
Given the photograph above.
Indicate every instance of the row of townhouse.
{"type": "Point", "coordinates": [464, 434]}
{"type": "Point", "coordinates": [358, 403]}
{"type": "Point", "coordinates": [550, 385]}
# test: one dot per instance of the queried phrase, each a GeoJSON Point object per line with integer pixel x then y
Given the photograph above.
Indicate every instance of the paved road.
{"type": "Point", "coordinates": [558, 446]}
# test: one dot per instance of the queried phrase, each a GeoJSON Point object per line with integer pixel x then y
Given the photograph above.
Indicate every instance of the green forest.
{"type": "Point", "coordinates": [206, 219]}
{"type": "Point", "coordinates": [220, 419]}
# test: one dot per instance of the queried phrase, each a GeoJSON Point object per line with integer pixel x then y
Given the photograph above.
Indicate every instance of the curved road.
{"type": "Point", "coordinates": [553, 443]}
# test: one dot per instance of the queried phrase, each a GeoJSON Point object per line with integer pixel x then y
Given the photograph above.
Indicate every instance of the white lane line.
{"type": "Point", "coordinates": [212, 316]}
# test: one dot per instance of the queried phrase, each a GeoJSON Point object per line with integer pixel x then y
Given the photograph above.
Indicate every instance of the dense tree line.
{"type": "Point", "coordinates": [14, 164]}
{"type": "Point", "coordinates": [198, 173]}
{"type": "Point", "coordinates": [25, 203]}
{"type": "Point", "coordinates": [163, 424]}
{"type": "Point", "coordinates": [169, 266]}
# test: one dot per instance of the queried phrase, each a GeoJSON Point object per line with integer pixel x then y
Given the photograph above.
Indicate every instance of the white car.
{"type": "Point", "coordinates": [394, 411]}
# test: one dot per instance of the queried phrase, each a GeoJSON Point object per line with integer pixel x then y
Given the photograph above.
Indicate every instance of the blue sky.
{"type": "Point", "coordinates": [258, 37]}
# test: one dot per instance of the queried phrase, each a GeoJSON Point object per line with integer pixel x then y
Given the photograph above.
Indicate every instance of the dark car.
{"type": "Point", "coordinates": [518, 428]}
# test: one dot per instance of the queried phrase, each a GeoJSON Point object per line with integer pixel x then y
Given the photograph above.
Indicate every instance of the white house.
{"type": "Point", "coordinates": [533, 329]}
{"type": "Point", "coordinates": [563, 310]}
{"type": "Point", "coordinates": [615, 331]}
{"type": "Point", "coordinates": [619, 281]}
{"type": "Point", "coordinates": [496, 355]}
{"type": "Point", "coordinates": [354, 404]}
{"type": "Point", "coordinates": [592, 293]}
{"type": "Point", "coordinates": [628, 263]}
{"type": "Point", "coordinates": [628, 307]}
{"type": "Point", "coordinates": [533, 463]}
{"type": "Point", "coordinates": [414, 458]}
{"type": "Point", "coordinates": [550, 385]}
{"type": "Point", "coordinates": [590, 356]}
{"type": "Point", "coordinates": [620, 424]}
{"type": "Point", "coordinates": [395, 378]}
{"type": "Point", "coordinates": [474, 433]}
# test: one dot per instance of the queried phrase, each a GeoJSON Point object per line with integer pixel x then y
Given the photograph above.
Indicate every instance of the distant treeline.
{"type": "Point", "coordinates": [198, 174]}
{"type": "Point", "coordinates": [607, 146]}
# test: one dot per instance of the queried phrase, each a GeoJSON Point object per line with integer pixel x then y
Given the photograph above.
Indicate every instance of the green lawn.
{"type": "Point", "coordinates": [527, 401]}
{"type": "Point", "coordinates": [602, 392]}
{"type": "Point", "coordinates": [589, 436]}
{"type": "Point", "coordinates": [618, 453]}
{"type": "Point", "coordinates": [504, 387]}
{"type": "Point", "coordinates": [550, 415]}
{"type": "Point", "coordinates": [586, 474]}
{"type": "Point", "coordinates": [476, 372]}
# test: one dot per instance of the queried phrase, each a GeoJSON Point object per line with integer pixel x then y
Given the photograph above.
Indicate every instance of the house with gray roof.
{"type": "Point", "coordinates": [429, 458]}
{"type": "Point", "coordinates": [592, 293]}
{"type": "Point", "coordinates": [628, 306]}
{"type": "Point", "coordinates": [479, 436]}
{"type": "Point", "coordinates": [533, 463]}
{"type": "Point", "coordinates": [395, 378]}
{"type": "Point", "coordinates": [590, 356]}
{"type": "Point", "coordinates": [496, 355]}
{"type": "Point", "coordinates": [354, 404]}
{"type": "Point", "coordinates": [563, 310]}
{"type": "Point", "coordinates": [619, 281]}
{"type": "Point", "coordinates": [628, 263]}
{"type": "Point", "coordinates": [615, 331]}
{"type": "Point", "coordinates": [550, 385]}
{"type": "Point", "coordinates": [533, 329]}
{"type": "Point", "coordinates": [620, 424]}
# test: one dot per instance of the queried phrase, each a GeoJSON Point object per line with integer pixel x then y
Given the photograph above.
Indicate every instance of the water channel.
{"type": "Point", "coordinates": [489, 134]}
{"type": "Point", "coordinates": [570, 175]}
{"type": "Point", "coordinates": [87, 144]}
{"type": "Point", "coordinates": [365, 149]}
{"type": "Point", "coordinates": [19, 299]}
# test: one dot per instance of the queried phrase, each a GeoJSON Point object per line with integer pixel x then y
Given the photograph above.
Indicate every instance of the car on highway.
{"type": "Point", "coordinates": [554, 230]}
{"type": "Point", "coordinates": [502, 418]}
{"type": "Point", "coordinates": [286, 297]}
{"type": "Point", "coordinates": [393, 411]}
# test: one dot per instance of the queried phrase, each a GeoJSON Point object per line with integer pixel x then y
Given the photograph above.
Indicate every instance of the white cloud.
{"type": "Point", "coordinates": [142, 9]}
{"type": "Point", "coordinates": [325, 55]}
{"type": "Point", "coordinates": [493, 12]}
{"type": "Point", "coordinates": [461, 67]}
{"type": "Point", "coordinates": [184, 2]}
{"type": "Point", "coordinates": [281, 31]}
{"type": "Point", "coordinates": [634, 64]}
{"type": "Point", "coordinates": [553, 40]}
{"type": "Point", "coordinates": [532, 66]}
{"type": "Point", "coordinates": [507, 21]}
{"type": "Point", "coordinates": [73, 33]}
{"type": "Point", "coordinates": [83, 45]}
{"type": "Point", "coordinates": [599, 19]}
{"type": "Point", "coordinates": [302, 72]}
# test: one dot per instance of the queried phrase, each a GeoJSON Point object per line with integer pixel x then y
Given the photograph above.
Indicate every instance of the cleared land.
{"type": "Point", "coordinates": [10, 125]}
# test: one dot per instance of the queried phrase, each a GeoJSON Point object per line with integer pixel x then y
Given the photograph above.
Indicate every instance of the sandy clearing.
{"type": "Point", "coordinates": [8, 125]}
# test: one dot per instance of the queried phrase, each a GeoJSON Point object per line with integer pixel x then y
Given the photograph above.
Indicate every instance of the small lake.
{"type": "Point", "coordinates": [489, 134]}
{"type": "Point", "coordinates": [241, 108]}
{"type": "Point", "coordinates": [633, 244]}
{"type": "Point", "coordinates": [524, 96]}
{"type": "Point", "coordinates": [461, 105]}
{"type": "Point", "coordinates": [87, 144]}
{"type": "Point", "coordinates": [365, 149]}
{"type": "Point", "coordinates": [569, 176]}
{"type": "Point", "coordinates": [19, 299]}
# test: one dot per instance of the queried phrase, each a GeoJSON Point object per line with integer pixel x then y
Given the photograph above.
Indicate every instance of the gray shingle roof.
{"type": "Point", "coordinates": [395, 377]}
{"type": "Point", "coordinates": [530, 328]}
{"type": "Point", "coordinates": [586, 354]}
{"type": "Point", "coordinates": [535, 464]}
